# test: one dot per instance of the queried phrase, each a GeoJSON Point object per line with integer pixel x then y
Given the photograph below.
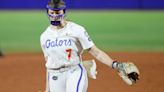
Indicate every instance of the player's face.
{"type": "Point", "coordinates": [56, 15]}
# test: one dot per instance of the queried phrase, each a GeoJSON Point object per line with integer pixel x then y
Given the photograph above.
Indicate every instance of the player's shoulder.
{"type": "Point", "coordinates": [76, 26]}
{"type": "Point", "coordinates": [45, 32]}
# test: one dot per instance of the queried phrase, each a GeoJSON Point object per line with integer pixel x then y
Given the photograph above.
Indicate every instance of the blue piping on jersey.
{"type": "Point", "coordinates": [77, 90]}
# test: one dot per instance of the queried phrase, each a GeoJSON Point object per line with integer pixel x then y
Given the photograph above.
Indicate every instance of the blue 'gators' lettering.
{"type": "Point", "coordinates": [57, 43]}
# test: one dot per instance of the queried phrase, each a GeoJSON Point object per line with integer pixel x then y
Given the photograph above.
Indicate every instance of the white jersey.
{"type": "Point", "coordinates": [63, 47]}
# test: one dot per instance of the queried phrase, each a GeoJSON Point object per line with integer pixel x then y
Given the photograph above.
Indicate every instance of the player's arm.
{"type": "Point", "coordinates": [101, 56]}
{"type": "Point", "coordinates": [46, 57]}
{"type": "Point", "coordinates": [43, 47]}
{"type": "Point", "coordinates": [127, 70]}
{"type": "Point", "coordinates": [90, 65]}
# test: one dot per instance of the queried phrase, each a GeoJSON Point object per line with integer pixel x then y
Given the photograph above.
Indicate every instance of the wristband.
{"type": "Point", "coordinates": [114, 64]}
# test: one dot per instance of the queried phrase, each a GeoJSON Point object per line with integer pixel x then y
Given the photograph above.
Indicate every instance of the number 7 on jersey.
{"type": "Point", "coordinates": [69, 53]}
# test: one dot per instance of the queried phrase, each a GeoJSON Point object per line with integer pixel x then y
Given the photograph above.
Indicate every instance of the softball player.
{"type": "Point", "coordinates": [63, 43]}
{"type": "Point", "coordinates": [1, 54]}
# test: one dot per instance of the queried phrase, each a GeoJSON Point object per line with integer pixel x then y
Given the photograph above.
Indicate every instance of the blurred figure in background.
{"type": "Point", "coordinates": [1, 54]}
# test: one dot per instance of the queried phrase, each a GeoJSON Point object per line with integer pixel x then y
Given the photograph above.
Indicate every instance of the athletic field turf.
{"type": "Point", "coordinates": [110, 30]}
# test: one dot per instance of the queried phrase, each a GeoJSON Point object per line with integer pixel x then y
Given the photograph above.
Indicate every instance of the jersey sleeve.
{"type": "Point", "coordinates": [85, 39]}
{"type": "Point", "coordinates": [43, 49]}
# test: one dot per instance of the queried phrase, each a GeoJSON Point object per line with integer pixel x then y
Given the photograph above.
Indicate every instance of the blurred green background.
{"type": "Point", "coordinates": [125, 31]}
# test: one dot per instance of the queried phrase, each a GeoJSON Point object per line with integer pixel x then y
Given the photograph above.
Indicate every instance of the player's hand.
{"type": "Point", "coordinates": [90, 66]}
{"type": "Point", "coordinates": [128, 71]}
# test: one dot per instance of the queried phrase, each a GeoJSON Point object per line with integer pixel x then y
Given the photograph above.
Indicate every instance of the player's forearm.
{"type": "Point", "coordinates": [101, 56]}
{"type": "Point", "coordinates": [104, 58]}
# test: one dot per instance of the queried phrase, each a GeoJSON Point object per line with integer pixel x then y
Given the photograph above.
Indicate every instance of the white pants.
{"type": "Point", "coordinates": [73, 80]}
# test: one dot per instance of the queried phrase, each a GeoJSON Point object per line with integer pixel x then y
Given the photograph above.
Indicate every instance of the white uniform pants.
{"type": "Point", "coordinates": [73, 80]}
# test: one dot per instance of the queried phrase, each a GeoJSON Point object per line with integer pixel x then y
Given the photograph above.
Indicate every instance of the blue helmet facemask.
{"type": "Point", "coordinates": [56, 19]}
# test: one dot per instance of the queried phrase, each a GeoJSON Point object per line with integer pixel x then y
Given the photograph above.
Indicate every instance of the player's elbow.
{"type": "Point", "coordinates": [94, 51]}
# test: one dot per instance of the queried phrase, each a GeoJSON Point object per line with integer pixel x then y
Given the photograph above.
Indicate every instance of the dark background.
{"type": "Point", "coordinates": [85, 4]}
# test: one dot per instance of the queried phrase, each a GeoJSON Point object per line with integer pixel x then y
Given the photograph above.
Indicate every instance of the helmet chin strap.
{"type": "Point", "coordinates": [56, 22]}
